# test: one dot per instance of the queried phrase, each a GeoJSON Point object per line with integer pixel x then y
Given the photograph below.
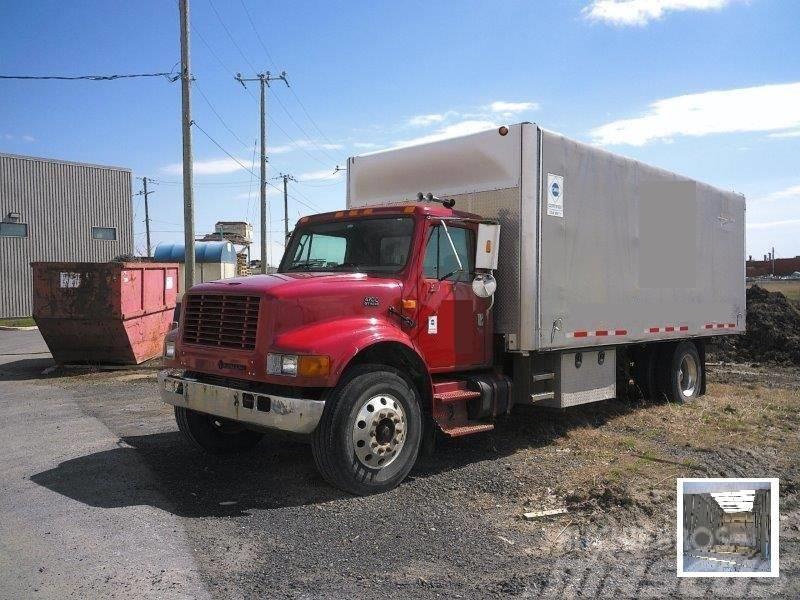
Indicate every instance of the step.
{"type": "Point", "coordinates": [544, 376]}
{"type": "Point", "coordinates": [468, 428]}
{"type": "Point", "coordinates": [542, 396]}
{"type": "Point", "coordinates": [456, 396]}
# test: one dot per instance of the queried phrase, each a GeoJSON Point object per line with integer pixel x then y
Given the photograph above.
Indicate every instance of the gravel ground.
{"type": "Point", "coordinates": [102, 498]}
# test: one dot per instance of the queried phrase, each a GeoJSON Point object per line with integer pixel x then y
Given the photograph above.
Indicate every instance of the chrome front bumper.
{"type": "Point", "coordinates": [297, 415]}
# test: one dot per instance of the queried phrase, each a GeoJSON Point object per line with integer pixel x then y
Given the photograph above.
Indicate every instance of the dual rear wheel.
{"type": "Point", "coordinates": [671, 371]}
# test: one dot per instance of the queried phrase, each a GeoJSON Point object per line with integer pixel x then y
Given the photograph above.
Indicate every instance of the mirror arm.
{"type": "Point", "coordinates": [453, 248]}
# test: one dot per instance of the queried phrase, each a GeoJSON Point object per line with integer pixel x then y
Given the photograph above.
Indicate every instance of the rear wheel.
{"type": "Point", "coordinates": [215, 435]}
{"type": "Point", "coordinates": [369, 435]}
{"type": "Point", "coordinates": [682, 373]}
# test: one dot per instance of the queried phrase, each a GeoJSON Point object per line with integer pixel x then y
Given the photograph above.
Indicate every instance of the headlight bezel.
{"type": "Point", "coordinates": [170, 349]}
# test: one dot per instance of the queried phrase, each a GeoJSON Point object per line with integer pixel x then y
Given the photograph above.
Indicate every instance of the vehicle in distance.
{"type": "Point", "coordinates": [533, 270]}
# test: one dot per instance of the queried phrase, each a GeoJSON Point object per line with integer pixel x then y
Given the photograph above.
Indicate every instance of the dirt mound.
{"type": "Point", "coordinates": [773, 331]}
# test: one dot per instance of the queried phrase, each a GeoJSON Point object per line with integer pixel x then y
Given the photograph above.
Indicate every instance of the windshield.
{"type": "Point", "coordinates": [378, 245]}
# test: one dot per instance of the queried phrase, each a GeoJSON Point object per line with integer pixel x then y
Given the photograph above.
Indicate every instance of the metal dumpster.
{"type": "Point", "coordinates": [117, 312]}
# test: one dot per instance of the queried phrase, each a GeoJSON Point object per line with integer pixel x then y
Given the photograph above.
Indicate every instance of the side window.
{"type": "Point", "coordinates": [439, 257]}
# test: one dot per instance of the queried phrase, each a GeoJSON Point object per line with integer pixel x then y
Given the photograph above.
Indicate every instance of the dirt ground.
{"type": "Point", "coordinates": [101, 497]}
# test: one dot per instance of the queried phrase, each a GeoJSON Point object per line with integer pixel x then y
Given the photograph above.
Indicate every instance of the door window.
{"type": "Point", "coordinates": [441, 263]}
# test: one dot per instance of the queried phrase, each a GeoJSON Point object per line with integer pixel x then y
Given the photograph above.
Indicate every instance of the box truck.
{"type": "Point", "coordinates": [465, 277]}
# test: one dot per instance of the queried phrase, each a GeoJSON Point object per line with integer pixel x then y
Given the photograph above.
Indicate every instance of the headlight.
{"type": "Point", "coordinates": [282, 364]}
{"type": "Point", "coordinates": [293, 365]}
{"type": "Point", "coordinates": [289, 364]}
{"type": "Point", "coordinates": [169, 349]}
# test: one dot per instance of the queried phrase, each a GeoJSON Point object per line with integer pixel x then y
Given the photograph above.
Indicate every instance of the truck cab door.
{"type": "Point", "coordinates": [451, 330]}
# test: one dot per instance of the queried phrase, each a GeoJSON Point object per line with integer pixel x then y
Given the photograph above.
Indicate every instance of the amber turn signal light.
{"type": "Point", "coordinates": [409, 304]}
{"type": "Point", "coordinates": [314, 366]}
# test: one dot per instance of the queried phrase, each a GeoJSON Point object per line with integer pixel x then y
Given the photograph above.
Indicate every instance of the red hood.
{"type": "Point", "coordinates": [291, 301]}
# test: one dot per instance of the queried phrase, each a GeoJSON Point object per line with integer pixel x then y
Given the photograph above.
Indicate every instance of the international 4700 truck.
{"type": "Point", "coordinates": [465, 277]}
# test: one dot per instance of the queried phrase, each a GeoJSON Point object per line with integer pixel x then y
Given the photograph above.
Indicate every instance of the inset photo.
{"type": "Point", "coordinates": [727, 527]}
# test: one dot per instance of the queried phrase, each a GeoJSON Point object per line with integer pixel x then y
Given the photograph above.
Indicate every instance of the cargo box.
{"type": "Point", "coordinates": [595, 248]}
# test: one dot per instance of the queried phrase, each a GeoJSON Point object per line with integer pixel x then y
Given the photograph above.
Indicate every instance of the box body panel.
{"type": "Point", "coordinates": [595, 248]}
{"type": "Point", "coordinates": [639, 254]}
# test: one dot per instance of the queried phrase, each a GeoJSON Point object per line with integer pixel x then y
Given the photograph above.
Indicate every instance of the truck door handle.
{"type": "Point", "coordinates": [406, 320]}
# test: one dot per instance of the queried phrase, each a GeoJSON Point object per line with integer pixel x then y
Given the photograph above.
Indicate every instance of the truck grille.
{"type": "Point", "coordinates": [222, 320]}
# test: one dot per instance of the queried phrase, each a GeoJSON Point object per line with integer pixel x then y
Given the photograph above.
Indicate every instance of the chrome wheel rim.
{"type": "Point", "coordinates": [688, 376]}
{"type": "Point", "coordinates": [379, 431]}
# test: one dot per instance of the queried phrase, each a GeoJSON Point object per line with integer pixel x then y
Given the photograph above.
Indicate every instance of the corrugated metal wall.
{"type": "Point", "coordinates": [60, 202]}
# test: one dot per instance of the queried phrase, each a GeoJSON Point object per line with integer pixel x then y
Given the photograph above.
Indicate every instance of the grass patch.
{"type": "Point", "coordinates": [18, 322]}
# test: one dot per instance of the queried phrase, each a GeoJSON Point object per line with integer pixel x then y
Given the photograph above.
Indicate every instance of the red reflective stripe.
{"type": "Point", "coordinates": [731, 325]}
{"type": "Point", "coordinates": [581, 334]}
{"type": "Point", "coordinates": [684, 328]}
{"type": "Point", "coordinates": [653, 330]}
{"type": "Point", "coordinates": [601, 332]}
{"type": "Point", "coordinates": [720, 325]}
{"type": "Point", "coordinates": [669, 328]}
{"type": "Point", "coordinates": [621, 332]}
{"type": "Point", "coordinates": [709, 326]}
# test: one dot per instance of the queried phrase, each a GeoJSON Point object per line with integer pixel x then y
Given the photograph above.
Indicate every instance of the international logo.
{"type": "Point", "coordinates": [555, 189]}
{"type": "Point", "coordinates": [231, 366]}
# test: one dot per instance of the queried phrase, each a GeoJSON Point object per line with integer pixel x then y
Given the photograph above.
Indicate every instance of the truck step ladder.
{"type": "Point", "coordinates": [450, 409]}
{"type": "Point", "coordinates": [543, 386]}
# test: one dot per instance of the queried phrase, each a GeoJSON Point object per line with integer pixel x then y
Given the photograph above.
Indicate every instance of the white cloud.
{"type": "Point", "coordinates": [509, 109]}
{"type": "Point", "coordinates": [317, 175]}
{"type": "Point", "coordinates": [425, 120]}
{"type": "Point", "coordinates": [772, 224]}
{"type": "Point", "coordinates": [214, 166]}
{"type": "Point", "coordinates": [24, 138]}
{"type": "Point", "coordinates": [449, 131]}
{"type": "Point", "coordinates": [641, 12]}
{"type": "Point", "coordinates": [761, 108]}
{"type": "Point", "coordinates": [365, 145]}
{"type": "Point", "coordinates": [785, 134]}
{"type": "Point", "coordinates": [283, 149]}
{"type": "Point", "coordinates": [792, 193]}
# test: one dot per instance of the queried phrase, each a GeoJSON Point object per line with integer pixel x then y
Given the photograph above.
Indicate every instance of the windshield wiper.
{"type": "Point", "coordinates": [348, 265]}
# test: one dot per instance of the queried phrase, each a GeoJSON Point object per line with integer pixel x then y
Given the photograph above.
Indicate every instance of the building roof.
{"type": "Point", "coordinates": [63, 162]}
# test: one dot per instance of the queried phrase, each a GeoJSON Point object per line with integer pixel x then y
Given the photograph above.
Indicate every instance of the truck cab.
{"type": "Point", "coordinates": [361, 341]}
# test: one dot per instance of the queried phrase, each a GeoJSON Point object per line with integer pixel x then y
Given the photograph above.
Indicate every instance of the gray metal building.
{"type": "Point", "coordinates": [54, 210]}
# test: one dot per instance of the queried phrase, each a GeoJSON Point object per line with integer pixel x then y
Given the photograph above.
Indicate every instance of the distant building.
{"type": "Point", "coordinates": [783, 266]}
{"type": "Point", "coordinates": [54, 210]}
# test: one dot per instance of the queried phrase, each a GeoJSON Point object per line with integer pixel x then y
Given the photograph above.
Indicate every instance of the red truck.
{"type": "Point", "coordinates": [385, 321]}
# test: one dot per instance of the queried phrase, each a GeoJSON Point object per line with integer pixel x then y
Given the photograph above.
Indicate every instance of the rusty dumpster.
{"type": "Point", "coordinates": [115, 313]}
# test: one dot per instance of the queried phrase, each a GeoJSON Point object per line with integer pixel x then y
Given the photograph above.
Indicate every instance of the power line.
{"type": "Point", "coordinates": [227, 31]}
{"type": "Point", "coordinates": [221, 120]}
{"type": "Point", "coordinates": [271, 60]}
{"type": "Point", "coordinates": [238, 162]}
{"type": "Point", "coordinates": [169, 76]}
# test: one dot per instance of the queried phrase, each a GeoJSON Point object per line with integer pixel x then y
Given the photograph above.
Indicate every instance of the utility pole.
{"type": "Point", "coordinates": [145, 193]}
{"type": "Point", "coordinates": [286, 177]}
{"type": "Point", "coordinates": [263, 80]}
{"type": "Point", "coordinates": [186, 126]}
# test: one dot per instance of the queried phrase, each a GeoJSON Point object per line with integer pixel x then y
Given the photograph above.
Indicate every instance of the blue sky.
{"type": "Point", "coordinates": [707, 88]}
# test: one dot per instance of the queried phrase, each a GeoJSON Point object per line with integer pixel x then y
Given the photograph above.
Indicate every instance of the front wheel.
{"type": "Point", "coordinates": [214, 435]}
{"type": "Point", "coordinates": [369, 435]}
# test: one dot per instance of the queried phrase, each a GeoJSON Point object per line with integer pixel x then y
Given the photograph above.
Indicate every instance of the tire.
{"type": "Point", "coordinates": [682, 370]}
{"type": "Point", "coordinates": [215, 435]}
{"type": "Point", "coordinates": [369, 435]}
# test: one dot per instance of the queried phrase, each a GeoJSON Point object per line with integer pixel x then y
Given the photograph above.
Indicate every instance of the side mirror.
{"type": "Point", "coordinates": [488, 246]}
{"type": "Point", "coordinates": [484, 285]}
